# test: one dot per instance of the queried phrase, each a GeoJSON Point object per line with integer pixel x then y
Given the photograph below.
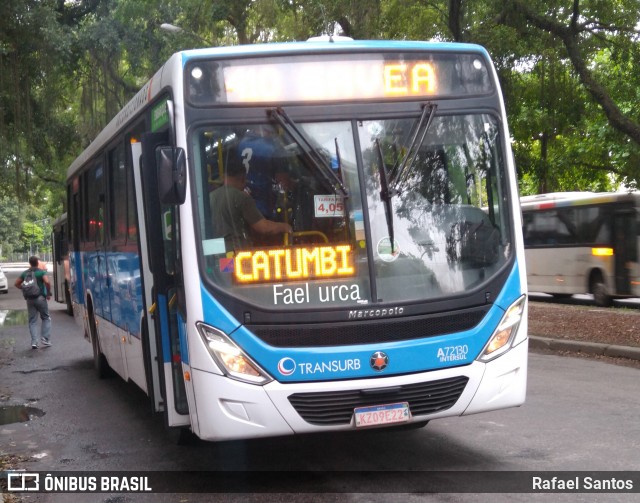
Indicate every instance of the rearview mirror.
{"type": "Point", "coordinates": [172, 174]}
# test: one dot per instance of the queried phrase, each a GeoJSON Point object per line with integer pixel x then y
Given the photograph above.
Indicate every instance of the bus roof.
{"type": "Point", "coordinates": [165, 76]}
{"type": "Point", "coordinates": [564, 199]}
{"type": "Point", "coordinates": [60, 220]}
{"type": "Point", "coordinates": [326, 46]}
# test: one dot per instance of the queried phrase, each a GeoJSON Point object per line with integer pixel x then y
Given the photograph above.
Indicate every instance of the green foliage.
{"type": "Point", "coordinates": [413, 20]}
{"type": "Point", "coordinates": [10, 220]}
{"type": "Point", "coordinates": [66, 68]}
{"type": "Point", "coordinates": [32, 236]}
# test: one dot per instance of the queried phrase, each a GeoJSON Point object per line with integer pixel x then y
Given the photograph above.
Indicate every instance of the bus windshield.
{"type": "Point", "coordinates": [364, 222]}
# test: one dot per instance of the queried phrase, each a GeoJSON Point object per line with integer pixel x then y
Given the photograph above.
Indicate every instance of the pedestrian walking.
{"type": "Point", "coordinates": [36, 289]}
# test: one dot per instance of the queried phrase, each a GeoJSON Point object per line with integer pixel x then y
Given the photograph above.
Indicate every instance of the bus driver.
{"type": "Point", "coordinates": [235, 214]}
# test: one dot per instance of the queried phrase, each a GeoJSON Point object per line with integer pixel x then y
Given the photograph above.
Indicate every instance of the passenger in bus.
{"type": "Point", "coordinates": [235, 215]}
{"type": "Point", "coordinates": [264, 157]}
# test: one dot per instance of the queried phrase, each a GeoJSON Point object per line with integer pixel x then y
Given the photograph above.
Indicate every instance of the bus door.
{"type": "Point", "coordinates": [163, 285]}
{"type": "Point", "coordinates": [625, 242]}
{"type": "Point", "coordinates": [96, 269]}
{"type": "Point", "coordinates": [95, 257]}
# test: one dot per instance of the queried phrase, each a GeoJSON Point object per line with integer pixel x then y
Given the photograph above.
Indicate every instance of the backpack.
{"type": "Point", "coordinates": [30, 288]}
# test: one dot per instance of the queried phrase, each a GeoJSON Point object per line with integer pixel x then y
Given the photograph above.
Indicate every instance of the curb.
{"type": "Point", "coordinates": [633, 353]}
{"type": "Point", "coordinates": [15, 265]}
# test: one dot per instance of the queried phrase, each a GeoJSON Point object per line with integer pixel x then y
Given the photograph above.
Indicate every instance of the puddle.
{"type": "Point", "coordinates": [10, 414]}
{"type": "Point", "coordinates": [12, 318]}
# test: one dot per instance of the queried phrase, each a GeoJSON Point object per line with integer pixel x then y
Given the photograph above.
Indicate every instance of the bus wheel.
{"type": "Point", "coordinates": [67, 298]}
{"type": "Point", "coordinates": [600, 294]}
{"type": "Point", "coordinates": [100, 364]}
{"type": "Point", "coordinates": [182, 436]}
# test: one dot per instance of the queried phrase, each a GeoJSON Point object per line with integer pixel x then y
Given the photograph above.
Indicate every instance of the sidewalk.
{"type": "Point", "coordinates": [594, 348]}
{"type": "Point", "coordinates": [21, 266]}
{"type": "Point", "coordinates": [14, 265]}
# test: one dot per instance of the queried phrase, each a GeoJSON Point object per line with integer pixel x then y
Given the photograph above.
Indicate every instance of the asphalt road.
{"type": "Point", "coordinates": [579, 415]}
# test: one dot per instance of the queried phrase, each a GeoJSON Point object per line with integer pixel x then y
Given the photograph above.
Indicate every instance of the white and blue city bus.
{"type": "Point", "coordinates": [398, 297]}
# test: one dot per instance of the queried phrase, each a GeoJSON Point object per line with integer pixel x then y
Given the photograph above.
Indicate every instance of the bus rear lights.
{"type": "Point", "coordinates": [503, 336]}
{"type": "Point", "coordinates": [233, 362]}
{"type": "Point", "coordinates": [602, 252]}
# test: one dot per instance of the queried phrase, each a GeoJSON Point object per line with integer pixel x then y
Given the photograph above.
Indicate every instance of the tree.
{"type": "Point", "coordinates": [599, 41]}
{"type": "Point", "coordinates": [10, 220]}
{"type": "Point", "coordinates": [32, 237]}
{"type": "Point", "coordinates": [567, 69]}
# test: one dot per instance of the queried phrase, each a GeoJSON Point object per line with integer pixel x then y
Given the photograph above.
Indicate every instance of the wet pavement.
{"type": "Point", "coordinates": [18, 414]}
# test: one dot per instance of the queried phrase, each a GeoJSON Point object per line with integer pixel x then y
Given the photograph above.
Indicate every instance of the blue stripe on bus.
{"type": "Point", "coordinates": [77, 295]}
{"type": "Point", "coordinates": [114, 281]}
{"type": "Point", "coordinates": [182, 333]}
{"type": "Point", "coordinates": [164, 328]}
{"type": "Point", "coordinates": [305, 48]}
{"type": "Point", "coordinates": [355, 361]}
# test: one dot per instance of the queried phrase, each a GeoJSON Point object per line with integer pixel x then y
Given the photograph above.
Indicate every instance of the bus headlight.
{"type": "Point", "coordinates": [230, 358]}
{"type": "Point", "coordinates": [503, 336]}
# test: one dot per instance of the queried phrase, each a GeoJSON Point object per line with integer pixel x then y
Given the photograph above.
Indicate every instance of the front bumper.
{"type": "Point", "coordinates": [229, 409]}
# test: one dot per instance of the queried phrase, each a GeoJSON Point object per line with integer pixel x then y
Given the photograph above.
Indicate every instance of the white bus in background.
{"type": "Point", "coordinates": [582, 242]}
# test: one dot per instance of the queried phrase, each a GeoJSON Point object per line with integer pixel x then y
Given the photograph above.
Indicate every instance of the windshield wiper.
{"type": "Point", "coordinates": [391, 183]}
{"type": "Point", "coordinates": [385, 194]}
{"type": "Point", "coordinates": [318, 162]}
{"type": "Point", "coordinates": [400, 172]}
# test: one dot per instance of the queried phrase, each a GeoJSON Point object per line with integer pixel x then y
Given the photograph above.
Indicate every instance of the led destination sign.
{"type": "Point", "coordinates": [338, 77]}
{"type": "Point", "coordinates": [294, 263]}
{"type": "Point", "coordinates": [317, 81]}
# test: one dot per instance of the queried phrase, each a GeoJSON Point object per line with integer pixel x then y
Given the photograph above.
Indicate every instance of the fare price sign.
{"type": "Point", "coordinates": [328, 206]}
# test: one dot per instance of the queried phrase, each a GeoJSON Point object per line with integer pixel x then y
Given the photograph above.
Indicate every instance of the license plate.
{"type": "Point", "coordinates": [377, 415]}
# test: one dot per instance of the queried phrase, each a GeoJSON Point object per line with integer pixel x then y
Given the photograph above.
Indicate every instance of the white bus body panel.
{"type": "Point", "coordinates": [123, 352]}
{"type": "Point", "coordinates": [565, 270]}
{"type": "Point", "coordinates": [229, 409]}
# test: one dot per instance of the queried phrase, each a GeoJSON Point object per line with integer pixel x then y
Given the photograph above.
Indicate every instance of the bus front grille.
{"type": "Point", "coordinates": [336, 407]}
{"type": "Point", "coordinates": [302, 335]}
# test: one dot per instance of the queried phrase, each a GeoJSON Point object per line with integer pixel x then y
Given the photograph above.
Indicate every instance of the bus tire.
{"type": "Point", "coordinates": [599, 291]}
{"type": "Point", "coordinates": [100, 364]}
{"type": "Point", "coordinates": [182, 436]}
{"type": "Point", "coordinates": [67, 298]}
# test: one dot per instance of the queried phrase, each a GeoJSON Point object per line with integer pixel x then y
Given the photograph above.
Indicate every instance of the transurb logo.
{"type": "Point", "coordinates": [287, 366]}
{"type": "Point", "coordinates": [379, 361]}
